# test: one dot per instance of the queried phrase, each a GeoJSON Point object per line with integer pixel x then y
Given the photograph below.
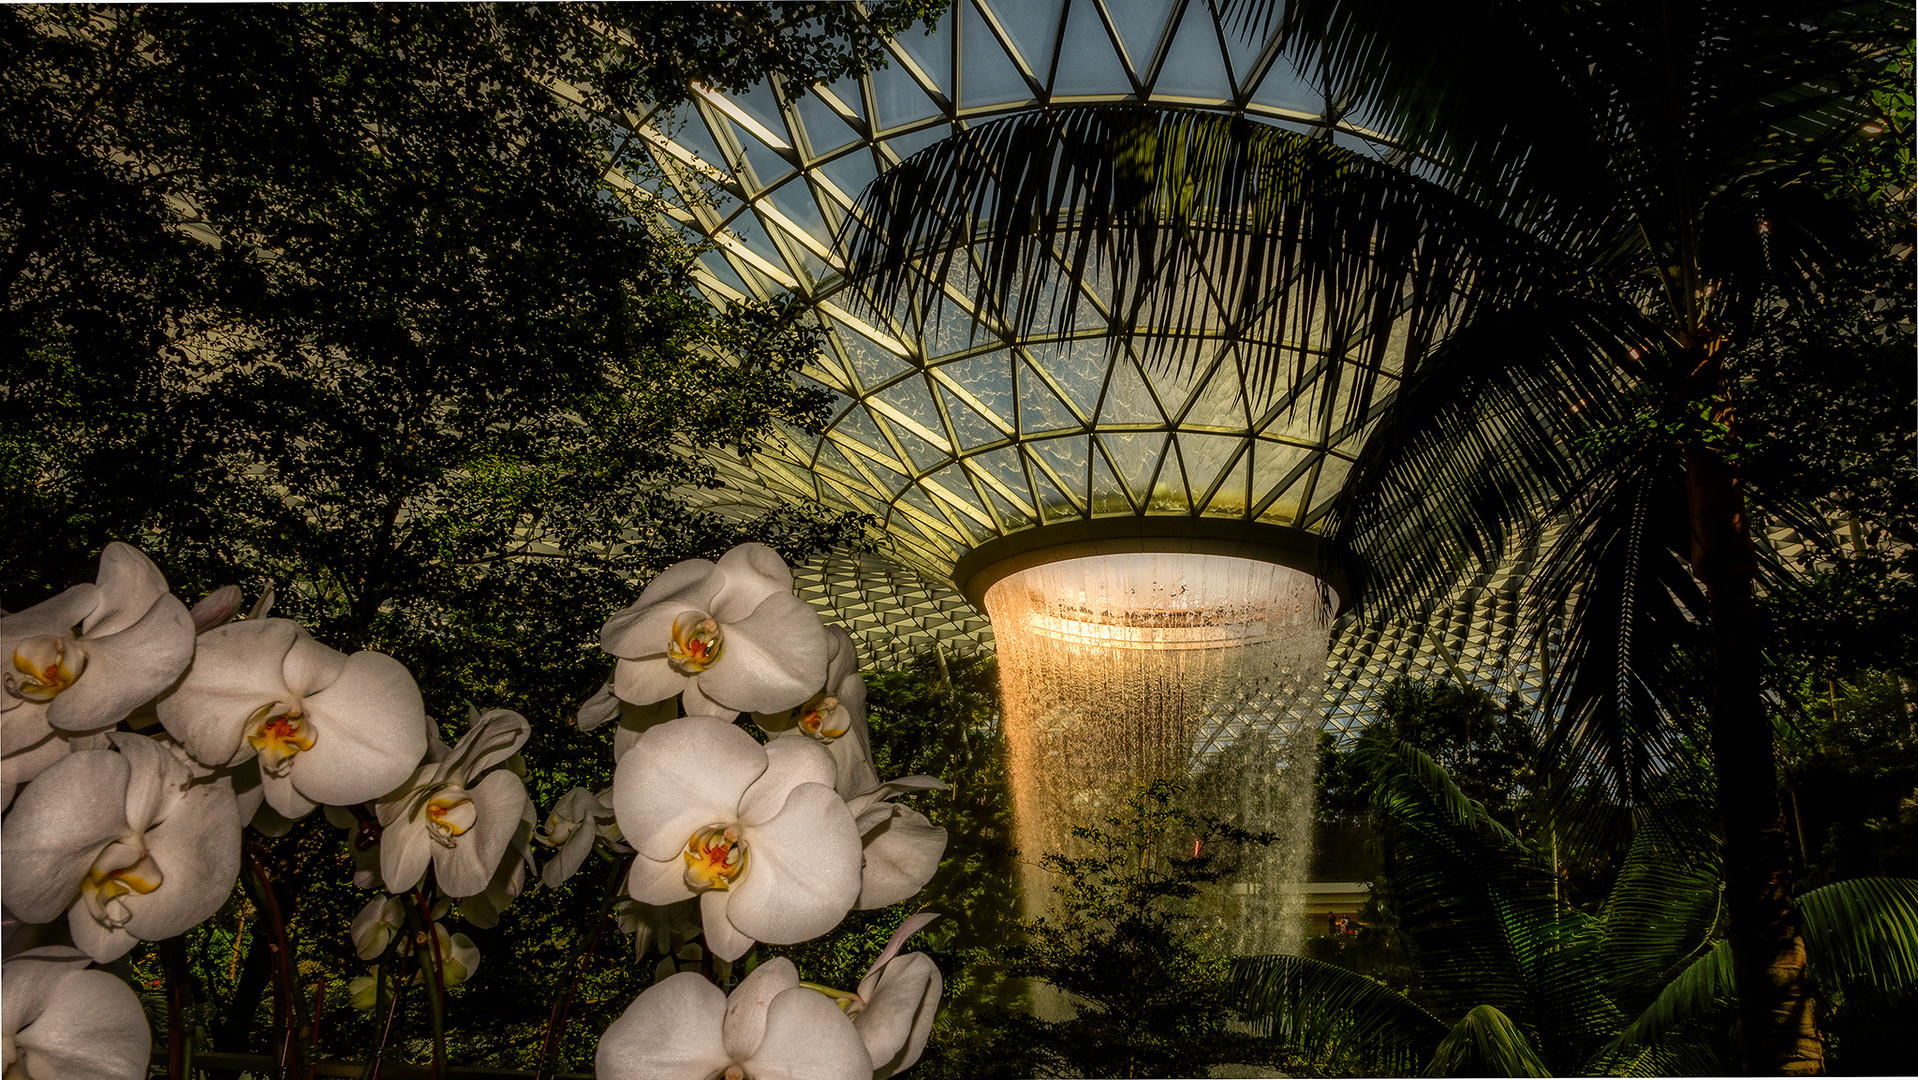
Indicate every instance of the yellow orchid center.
{"type": "Point", "coordinates": [715, 856]}
{"type": "Point", "coordinates": [824, 720]}
{"type": "Point", "coordinates": [279, 736]}
{"type": "Point", "coordinates": [696, 645]}
{"type": "Point", "coordinates": [123, 869]}
{"type": "Point", "coordinates": [449, 813]}
{"type": "Point", "coordinates": [46, 665]}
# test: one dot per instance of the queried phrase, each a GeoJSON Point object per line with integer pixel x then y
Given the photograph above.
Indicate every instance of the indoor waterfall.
{"type": "Point", "coordinates": [1206, 669]}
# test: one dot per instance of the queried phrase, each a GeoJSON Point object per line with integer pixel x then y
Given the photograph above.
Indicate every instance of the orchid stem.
{"type": "Point", "coordinates": [173, 961]}
{"type": "Point", "coordinates": [282, 950]}
{"type": "Point", "coordinates": [392, 1012]}
{"type": "Point", "coordinates": [419, 918]}
{"type": "Point", "coordinates": [563, 1002]}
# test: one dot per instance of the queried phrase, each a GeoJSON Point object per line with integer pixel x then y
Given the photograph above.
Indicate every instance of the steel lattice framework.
{"type": "Point", "coordinates": [952, 432]}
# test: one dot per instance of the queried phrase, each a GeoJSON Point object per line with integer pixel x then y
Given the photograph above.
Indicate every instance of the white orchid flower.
{"type": "Point", "coordinates": [755, 832]}
{"type": "Point", "coordinates": [901, 848]}
{"type": "Point", "coordinates": [78, 663]}
{"type": "Point", "coordinates": [727, 637]}
{"type": "Point", "coordinates": [327, 728]}
{"type": "Point", "coordinates": [834, 717]}
{"type": "Point", "coordinates": [60, 1020]}
{"type": "Point", "coordinates": [896, 1002]}
{"type": "Point", "coordinates": [457, 814]}
{"type": "Point", "coordinates": [484, 908]}
{"type": "Point", "coordinates": [458, 958]}
{"type": "Point", "coordinates": [124, 842]}
{"type": "Point", "coordinates": [376, 924]}
{"type": "Point", "coordinates": [771, 1028]}
{"type": "Point", "coordinates": [578, 821]}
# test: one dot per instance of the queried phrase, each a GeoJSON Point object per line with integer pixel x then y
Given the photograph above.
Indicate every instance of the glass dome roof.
{"type": "Point", "coordinates": [952, 434]}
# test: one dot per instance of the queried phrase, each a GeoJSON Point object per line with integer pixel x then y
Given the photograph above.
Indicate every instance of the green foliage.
{"type": "Point", "coordinates": [1121, 950]}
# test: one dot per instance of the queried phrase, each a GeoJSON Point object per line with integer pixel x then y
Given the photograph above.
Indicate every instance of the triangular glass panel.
{"type": "Point", "coordinates": [988, 378]}
{"type": "Point", "coordinates": [968, 427]}
{"type": "Point", "coordinates": [1087, 63]}
{"type": "Point", "coordinates": [1054, 505]}
{"type": "Point", "coordinates": [833, 458]}
{"type": "Point", "coordinates": [918, 497]}
{"type": "Point", "coordinates": [1205, 457]}
{"type": "Point", "coordinates": [1033, 25]}
{"type": "Point", "coordinates": [1002, 465]}
{"type": "Point", "coordinates": [931, 51]}
{"type": "Point", "coordinates": [910, 396]}
{"type": "Point", "coordinates": [692, 135]}
{"type": "Point", "coordinates": [925, 456]}
{"type": "Point", "coordinates": [1136, 455]}
{"type": "Point", "coordinates": [1244, 41]}
{"type": "Point", "coordinates": [1230, 499]}
{"type": "Point", "coordinates": [760, 103]}
{"type": "Point", "coordinates": [1127, 401]}
{"type": "Point", "coordinates": [898, 97]}
{"type": "Point", "coordinates": [1174, 374]}
{"type": "Point", "coordinates": [1013, 516]}
{"type": "Point", "coordinates": [959, 492]}
{"type": "Point", "coordinates": [1221, 403]}
{"type": "Point", "coordinates": [986, 74]}
{"type": "Point", "coordinates": [850, 172]}
{"type": "Point", "coordinates": [1039, 408]}
{"type": "Point", "coordinates": [950, 329]}
{"type": "Point", "coordinates": [1276, 466]}
{"type": "Point", "coordinates": [793, 200]}
{"type": "Point", "coordinates": [1193, 66]}
{"type": "Point", "coordinates": [1141, 23]}
{"type": "Point", "coordinates": [907, 143]}
{"type": "Point", "coordinates": [825, 130]}
{"type": "Point", "coordinates": [1284, 88]}
{"type": "Point", "coordinates": [859, 426]}
{"type": "Point", "coordinates": [1108, 495]}
{"type": "Point", "coordinates": [1288, 505]}
{"type": "Point", "coordinates": [718, 266]}
{"type": "Point", "coordinates": [768, 166]}
{"type": "Point", "coordinates": [873, 364]}
{"type": "Point", "coordinates": [1068, 458]}
{"type": "Point", "coordinates": [1078, 367]}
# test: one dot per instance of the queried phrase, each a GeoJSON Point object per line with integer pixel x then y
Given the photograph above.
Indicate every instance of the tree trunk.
{"type": "Point", "coordinates": [1777, 1031]}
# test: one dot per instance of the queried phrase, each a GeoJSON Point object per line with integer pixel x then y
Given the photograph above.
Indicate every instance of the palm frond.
{"type": "Point", "coordinates": [1861, 937]}
{"type": "Point", "coordinates": [1328, 1015]}
{"type": "Point", "coordinates": [1172, 226]}
{"type": "Point", "coordinates": [1486, 1043]}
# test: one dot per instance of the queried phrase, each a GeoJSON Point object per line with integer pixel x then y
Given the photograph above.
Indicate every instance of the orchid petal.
{"type": "Point", "coordinates": [682, 776]}
{"type": "Point", "coordinates": [808, 1038]}
{"type": "Point", "coordinates": [238, 670]}
{"type": "Point", "coordinates": [596, 710]}
{"type": "Point", "coordinates": [902, 999]}
{"type": "Point", "coordinates": [465, 868]}
{"type": "Point", "coordinates": [647, 680]}
{"type": "Point", "coordinates": [284, 799]}
{"type": "Point", "coordinates": [406, 849]}
{"type": "Point", "coordinates": [59, 616]}
{"type": "Point", "coordinates": [155, 779]}
{"type": "Point", "coordinates": [723, 939]}
{"type": "Point", "coordinates": [658, 881]}
{"type": "Point", "coordinates": [637, 720]}
{"type": "Point", "coordinates": [749, 574]}
{"type": "Point", "coordinates": [746, 1006]}
{"type": "Point", "coordinates": [789, 763]}
{"type": "Point", "coordinates": [369, 730]}
{"type": "Point", "coordinates": [489, 740]}
{"type": "Point", "coordinates": [58, 825]}
{"type": "Point", "coordinates": [803, 874]}
{"type": "Point", "coordinates": [672, 1031]}
{"type": "Point", "coordinates": [127, 668]}
{"type": "Point", "coordinates": [31, 759]}
{"type": "Point", "coordinates": [78, 1025]}
{"type": "Point", "coordinates": [774, 659]}
{"type": "Point", "coordinates": [197, 849]}
{"type": "Point", "coordinates": [902, 852]}
{"type": "Point", "coordinates": [129, 584]}
{"type": "Point", "coordinates": [646, 627]}
{"type": "Point", "coordinates": [374, 926]}
{"type": "Point", "coordinates": [912, 925]}
{"type": "Point", "coordinates": [216, 608]}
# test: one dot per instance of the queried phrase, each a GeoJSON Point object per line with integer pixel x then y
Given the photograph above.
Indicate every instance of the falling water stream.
{"type": "Point", "coordinates": [1205, 669]}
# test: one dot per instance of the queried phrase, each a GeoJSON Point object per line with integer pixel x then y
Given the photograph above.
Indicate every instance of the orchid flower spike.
{"type": "Point", "coordinates": [327, 728]}
{"type": "Point", "coordinates": [457, 814]}
{"type": "Point", "coordinates": [755, 832]}
{"type": "Point", "coordinates": [727, 637]}
{"type": "Point", "coordinates": [124, 842]}
{"type": "Point", "coordinates": [60, 1020]}
{"type": "Point", "coordinates": [685, 1028]}
{"type": "Point", "coordinates": [77, 664]}
{"type": "Point", "coordinates": [578, 820]}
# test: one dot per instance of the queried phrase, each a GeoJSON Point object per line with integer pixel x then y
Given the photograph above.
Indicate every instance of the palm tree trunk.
{"type": "Point", "coordinates": [1777, 1031]}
